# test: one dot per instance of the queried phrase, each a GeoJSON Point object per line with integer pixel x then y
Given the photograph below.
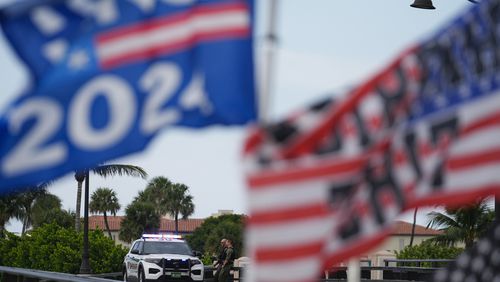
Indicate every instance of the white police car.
{"type": "Point", "coordinates": [161, 257]}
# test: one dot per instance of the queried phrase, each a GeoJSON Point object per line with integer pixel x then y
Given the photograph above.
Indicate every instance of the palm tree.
{"type": "Point", "coordinates": [462, 224]}
{"type": "Point", "coordinates": [179, 203]}
{"type": "Point", "coordinates": [140, 217]}
{"type": "Point", "coordinates": [79, 177]}
{"type": "Point", "coordinates": [156, 193]}
{"type": "Point", "coordinates": [7, 209]}
{"type": "Point", "coordinates": [168, 198]}
{"type": "Point", "coordinates": [413, 226]}
{"type": "Point", "coordinates": [103, 200]}
{"type": "Point", "coordinates": [104, 171]}
{"type": "Point", "coordinates": [26, 200]}
{"type": "Point", "coordinates": [48, 209]}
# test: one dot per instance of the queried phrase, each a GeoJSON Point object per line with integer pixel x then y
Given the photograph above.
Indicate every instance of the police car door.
{"type": "Point", "coordinates": [133, 259]}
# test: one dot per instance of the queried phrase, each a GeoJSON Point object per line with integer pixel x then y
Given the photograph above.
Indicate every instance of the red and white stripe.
{"type": "Point", "coordinates": [472, 160]}
{"type": "Point", "coordinates": [169, 34]}
{"type": "Point", "coordinates": [291, 223]}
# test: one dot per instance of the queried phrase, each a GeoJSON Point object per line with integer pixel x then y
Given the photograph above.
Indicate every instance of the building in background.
{"type": "Point", "coordinates": [186, 226]}
{"type": "Point", "coordinates": [399, 238]}
{"type": "Point", "coordinates": [222, 212]}
{"type": "Point", "coordinates": [167, 224]}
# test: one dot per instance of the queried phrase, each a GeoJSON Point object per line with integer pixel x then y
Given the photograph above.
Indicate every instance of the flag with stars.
{"type": "Point", "coordinates": [481, 263]}
{"type": "Point", "coordinates": [326, 183]}
{"type": "Point", "coordinates": [107, 76]}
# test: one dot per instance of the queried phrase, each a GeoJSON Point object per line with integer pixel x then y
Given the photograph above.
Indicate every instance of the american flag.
{"type": "Point", "coordinates": [326, 183]}
{"type": "Point", "coordinates": [168, 34]}
{"type": "Point", "coordinates": [481, 263]}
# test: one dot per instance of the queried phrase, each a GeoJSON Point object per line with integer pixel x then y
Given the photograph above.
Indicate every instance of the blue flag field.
{"type": "Point", "coordinates": [107, 76]}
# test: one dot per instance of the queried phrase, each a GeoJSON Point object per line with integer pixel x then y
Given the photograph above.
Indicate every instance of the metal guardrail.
{"type": "Point", "coordinates": [366, 280]}
{"type": "Point", "coordinates": [390, 273]}
{"type": "Point", "coordinates": [12, 273]}
{"type": "Point", "coordinates": [433, 262]}
{"type": "Point", "coordinates": [393, 270]}
{"type": "Point", "coordinates": [8, 274]}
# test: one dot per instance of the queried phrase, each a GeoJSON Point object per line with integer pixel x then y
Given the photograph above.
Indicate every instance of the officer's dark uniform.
{"type": "Point", "coordinates": [220, 261]}
{"type": "Point", "coordinates": [224, 273]}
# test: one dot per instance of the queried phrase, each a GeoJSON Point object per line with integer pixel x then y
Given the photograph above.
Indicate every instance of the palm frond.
{"type": "Point", "coordinates": [36, 188]}
{"type": "Point", "coordinates": [462, 223]}
{"type": "Point", "coordinates": [120, 169]}
{"type": "Point", "coordinates": [440, 220]}
{"type": "Point", "coordinates": [441, 240]}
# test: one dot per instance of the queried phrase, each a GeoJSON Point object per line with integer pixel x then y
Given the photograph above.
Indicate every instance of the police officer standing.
{"type": "Point", "coordinates": [220, 259]}
{"type": "Point", "coordinates": [228, 261]}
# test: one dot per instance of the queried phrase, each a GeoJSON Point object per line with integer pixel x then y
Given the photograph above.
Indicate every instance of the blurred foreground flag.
{"type": "Point", "coordinates": [327, 183]}
{"type": "Point", "coordinates": [107, 76]}
{"type": "Point", "coordinates": [480, 263]}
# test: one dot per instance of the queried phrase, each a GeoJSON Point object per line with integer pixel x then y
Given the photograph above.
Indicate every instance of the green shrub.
{"type": "Point", "coordinates": [7, 243]}
{"type": "Point", "coordinates": [105, 255]}
{"type": "Point", "coordinates": [55, 248]}
{"type": "Point", "coordinates": [428, 250]}
{"type": "Point", "coordinates": [207, 259]}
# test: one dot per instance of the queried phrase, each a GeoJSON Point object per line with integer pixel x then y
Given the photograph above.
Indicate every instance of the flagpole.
{"type": "Point", "coordinates": [267, 74]}
{"type": "Point", "coordinates": [353, 270]}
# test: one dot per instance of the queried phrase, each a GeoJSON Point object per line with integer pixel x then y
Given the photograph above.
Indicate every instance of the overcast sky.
{"type": "Point", "coordinates": [324, 47]}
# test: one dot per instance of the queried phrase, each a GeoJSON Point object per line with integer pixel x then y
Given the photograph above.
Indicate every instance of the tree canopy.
{"type": "Point", "coordinates": [206, 238]}
{"type": "Point", "coordinates": [428, 250]}
{"type": "Point", "coordinates": [140, 217]}
{"type": "Point", "coordinates": [103, 171]}
{"type": "Point", "coordinates": [462, 224]}
{"type": "Point", "coordinates": [48, 209]}
{"type": "Point", "coordinates": [24, 202]}
{"type": "Point", "coordinates": [179, 203]}
{"type": "Point", "coordinates": [55, 248]}
{"type": "Point", "coordinates": [7, 210]}
{"type": "Point", "coordinates": [168, 198]}
{"type": "Point", "coordinates": [104, 200]}
{"type": "Point", "coordinates": [156, 193]}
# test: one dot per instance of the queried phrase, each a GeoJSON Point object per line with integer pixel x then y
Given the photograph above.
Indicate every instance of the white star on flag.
{"type": "Point", "coordinates": [78, 60]}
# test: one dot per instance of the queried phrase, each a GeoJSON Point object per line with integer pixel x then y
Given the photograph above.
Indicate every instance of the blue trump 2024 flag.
{"type": "Point", "coordinates": [108, 75]}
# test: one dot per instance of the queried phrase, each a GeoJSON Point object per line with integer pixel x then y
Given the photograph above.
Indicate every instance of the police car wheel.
{"type": "Point", "coordinates": [141, 276]}
{"type": "Point", "coordinates": [125, 278]}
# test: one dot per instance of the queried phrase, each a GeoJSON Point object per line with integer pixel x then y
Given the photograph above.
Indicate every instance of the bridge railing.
{"type": "Point", "coordinates": [424, 263]}
{"type": "Point", "coordinates": [393, 269]}
{"type": "Point", "coordinates": [9, 274]}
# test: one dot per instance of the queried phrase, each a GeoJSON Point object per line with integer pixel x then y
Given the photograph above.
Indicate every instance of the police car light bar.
{"type": "Point", "coordinates": [161, 236]}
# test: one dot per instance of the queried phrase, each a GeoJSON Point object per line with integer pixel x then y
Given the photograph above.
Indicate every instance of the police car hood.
{"type": "Point", "coordinates": [171, 256]}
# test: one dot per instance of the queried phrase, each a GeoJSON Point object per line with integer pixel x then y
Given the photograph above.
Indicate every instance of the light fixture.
{"type": "Point", "coordinates": [427, 4]}
{"type": "Point", "coordinates": [424, 4]}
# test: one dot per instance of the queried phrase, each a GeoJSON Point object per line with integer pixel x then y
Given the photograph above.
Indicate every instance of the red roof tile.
{"type": "Point", "coordinates": [189, 225]}
{"type": "Point", "coordinates": [404, 228]}
{"type": "Point", "coordinates": [166, 225]}
{"type": "Point", "coordinates": [185, 225]}
{"type": "Point", "coordinates": [97, 221]}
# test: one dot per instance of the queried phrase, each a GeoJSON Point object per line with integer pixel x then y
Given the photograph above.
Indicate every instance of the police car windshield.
{"type": "Point", "coordinates": [163, 247]}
